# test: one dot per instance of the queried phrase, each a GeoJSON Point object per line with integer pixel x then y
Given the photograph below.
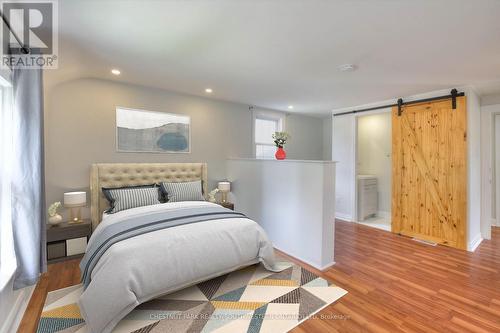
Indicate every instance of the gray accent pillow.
{"type": "Point", "coordinates": [185, 191]}
{"type": "Point", "coordinates": [123, 198]}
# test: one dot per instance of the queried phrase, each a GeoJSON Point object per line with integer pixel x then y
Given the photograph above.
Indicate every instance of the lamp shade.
{"type": "Point", "coordinates": [224, 186]}
{"type": "Point", "coordinates": [75, 199]}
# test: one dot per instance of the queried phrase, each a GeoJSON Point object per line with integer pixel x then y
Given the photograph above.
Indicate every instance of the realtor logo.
{"type": "Point", "coordinates": [30, 40]}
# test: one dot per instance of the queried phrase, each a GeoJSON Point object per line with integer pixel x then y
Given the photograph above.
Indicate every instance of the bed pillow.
{"type": "Point", "coordinates": [121, 198]}
{"type": "Point", "coordinates": [185, 191]}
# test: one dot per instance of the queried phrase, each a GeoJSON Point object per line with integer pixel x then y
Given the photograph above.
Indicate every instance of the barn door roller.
{"type": "Point", "coordinates": [454, 94]}
{"type": "Point", "coordinates": [400, 107]}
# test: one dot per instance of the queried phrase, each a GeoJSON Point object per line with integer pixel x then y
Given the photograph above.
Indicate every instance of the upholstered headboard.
{"type": "Point", "coordinates": [126, 174]}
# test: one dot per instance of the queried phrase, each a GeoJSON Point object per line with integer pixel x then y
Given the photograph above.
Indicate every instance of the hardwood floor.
{"type": "Point", "coordinates": [59, 275]}
{"type": "Point", "coordinates": [399, 285]}
{"type": "Point", "coordinates": [395, 285]}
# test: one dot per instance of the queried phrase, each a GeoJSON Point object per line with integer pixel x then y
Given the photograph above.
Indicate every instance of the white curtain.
{"type": "Point", "coordinates": [7, 255]}
{"type": "Point", "coordinates": [28, 193]}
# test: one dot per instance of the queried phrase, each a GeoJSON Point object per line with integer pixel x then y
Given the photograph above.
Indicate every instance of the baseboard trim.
{"type": "Point", "coordinates": [343, 217]}
{"type": "Point", "coordinates": [17, 311]}
{"type": "Point", "coordinates": [327, 266]}
{"type": "Point", "coordinates": [474, 243]}
{"type": "Point", "coordinates": [315, 265]}
{"type": "Point", "coordinates": [384, 214]}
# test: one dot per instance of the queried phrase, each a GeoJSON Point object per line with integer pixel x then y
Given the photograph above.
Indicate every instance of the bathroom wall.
{"type": "Point", "coordinates": [374, 154]}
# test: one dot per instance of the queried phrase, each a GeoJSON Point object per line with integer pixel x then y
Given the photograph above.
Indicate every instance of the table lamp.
{"type": "Point", "coordinates": [225, 188]}
{"type": "Point", "coordinates": [74, 201]}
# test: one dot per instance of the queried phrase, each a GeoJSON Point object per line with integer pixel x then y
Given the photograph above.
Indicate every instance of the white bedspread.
{"type": "Point", "coordinates": [144, 267]}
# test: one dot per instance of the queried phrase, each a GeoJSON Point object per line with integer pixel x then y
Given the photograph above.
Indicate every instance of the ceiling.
{"type": "Point", "coordinates": [285, 52]}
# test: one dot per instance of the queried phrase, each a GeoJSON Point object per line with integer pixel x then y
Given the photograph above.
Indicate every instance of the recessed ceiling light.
{"type": "Point", "coordinates": [290, 107]}
{"type": "Point", "coordinates": [208, 90]}
{"type": "Point", "coordinates": [347, 68]}
{"type": "Point", "coordinates": [115, 71]}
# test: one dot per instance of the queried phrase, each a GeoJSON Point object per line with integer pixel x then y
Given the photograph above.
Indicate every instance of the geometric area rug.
{"type": "Point", "coordinates": [249, 300]}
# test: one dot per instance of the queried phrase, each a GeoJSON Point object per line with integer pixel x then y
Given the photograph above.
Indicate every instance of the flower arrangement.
{"type": "Point", "coordinates": [280, 138]}
{"type": "Point", "coordinates": [211, 195]}
{"type": "Point", "coordinates": [53, 208]}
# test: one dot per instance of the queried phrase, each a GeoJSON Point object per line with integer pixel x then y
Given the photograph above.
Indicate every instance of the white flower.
{"type": "Point", "coordinates": [280, 138]}
{"type": "Point", "coordinates": [211, 195]}
{"type": "Point", "coordinates": [53, 208]}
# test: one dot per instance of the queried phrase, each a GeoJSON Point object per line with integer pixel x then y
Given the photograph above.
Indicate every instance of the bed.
{"type": "Point", "coordinates": [181, 243]}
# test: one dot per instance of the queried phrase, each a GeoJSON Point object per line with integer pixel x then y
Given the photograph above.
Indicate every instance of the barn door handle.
{"type": "Point", "coordinates": [454, 94]}
{"type": "Point", "coordinates": [400, 107]}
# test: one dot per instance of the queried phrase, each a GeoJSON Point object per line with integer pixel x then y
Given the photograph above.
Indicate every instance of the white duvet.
{"type": "Point", "coordinates": [144, 267]}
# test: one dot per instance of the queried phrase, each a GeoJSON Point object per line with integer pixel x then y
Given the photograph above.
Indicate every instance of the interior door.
{"type": "Point", "coordinates": [429, 142]}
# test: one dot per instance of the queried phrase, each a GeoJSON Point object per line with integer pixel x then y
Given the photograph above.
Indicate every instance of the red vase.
{"type": "Point", "coordinates": [280, 154]}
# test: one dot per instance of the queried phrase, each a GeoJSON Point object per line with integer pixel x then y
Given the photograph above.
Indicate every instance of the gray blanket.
{"type": "Point", "coordinates": [140, 224]}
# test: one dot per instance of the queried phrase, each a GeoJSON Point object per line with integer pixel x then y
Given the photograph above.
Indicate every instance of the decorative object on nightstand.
{"type": "Point", "coordinates": [54, 218]}
{"type": "Point", "coordinates": [75, 201]}
{"type": "Point", "coordinates": [211, 195]}
{"type": "Point", "coordinates": [227, 204]}
{"type": "Point", "coordinates": [67, 240]}
{"type": "Point", "coordinates": [280, 139]}
{"type": "Point", "coordinates": [224, 187]}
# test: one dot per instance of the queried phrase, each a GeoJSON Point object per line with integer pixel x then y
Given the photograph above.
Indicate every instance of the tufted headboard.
{"type": "Point", "coordinates": [126, 174]}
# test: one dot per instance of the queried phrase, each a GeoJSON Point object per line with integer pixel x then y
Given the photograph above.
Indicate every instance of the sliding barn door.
{"type": "Point", "coordinates": [429, 172]}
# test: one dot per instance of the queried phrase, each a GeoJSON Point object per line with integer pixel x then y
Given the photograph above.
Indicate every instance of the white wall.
{"type": "Point", "coordinates": [13, 303]}
{"type": "Point", "coordinates": [306, 142]}
{"type": "Point", "coordinates": [474, 207]}
{"type": "Point", "coordinates": [293, 201]}
{"type": "Point", "coordinates": [374, 154]}
{"type": "Point", "coordinates": [490, 100]}
{"type": "Point", "coordinates": [343, 151]}
{"type": "Point", "coordinates": [327, 138]}
{"type": "Point", "coordinates": [8, 297]}
{"type": "Point", "coordinates": [80, 130]}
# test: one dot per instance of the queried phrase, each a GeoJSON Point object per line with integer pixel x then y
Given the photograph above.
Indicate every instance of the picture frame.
{"type": "Point", "coordinates": [145, 131]}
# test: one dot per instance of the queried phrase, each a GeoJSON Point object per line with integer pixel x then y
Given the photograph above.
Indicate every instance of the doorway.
{"type": "Point", "coordinates": [374, 170]}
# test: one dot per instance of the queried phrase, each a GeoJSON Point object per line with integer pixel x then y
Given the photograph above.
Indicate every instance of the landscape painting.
{"type": "Point", "coordinates": [151, 131]}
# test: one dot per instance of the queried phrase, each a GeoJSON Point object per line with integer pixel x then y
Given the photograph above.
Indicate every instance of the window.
{"type": "Point", "coordinates": [7, 254]}
{"type": "Point", "coordinates": [265, 124]}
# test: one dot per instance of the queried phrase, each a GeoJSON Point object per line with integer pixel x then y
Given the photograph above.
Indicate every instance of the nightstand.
{"type": "Point", "coordinates": [228, 205]}
{"type": "Point", "coordinates": [67, 240]}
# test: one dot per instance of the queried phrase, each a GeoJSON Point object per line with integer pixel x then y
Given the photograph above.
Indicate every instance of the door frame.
{"type": "Point", "coordinates": [496, 169]}
{"type": "Point", "coordinates": [488, 166]}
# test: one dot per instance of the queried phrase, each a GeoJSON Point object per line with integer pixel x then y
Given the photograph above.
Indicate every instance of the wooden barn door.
{"type": "Point", "coordinates": [429, 172]}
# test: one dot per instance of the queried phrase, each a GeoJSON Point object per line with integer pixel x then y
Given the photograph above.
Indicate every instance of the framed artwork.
{"type": "Point", "coordinates": [152, 132]}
